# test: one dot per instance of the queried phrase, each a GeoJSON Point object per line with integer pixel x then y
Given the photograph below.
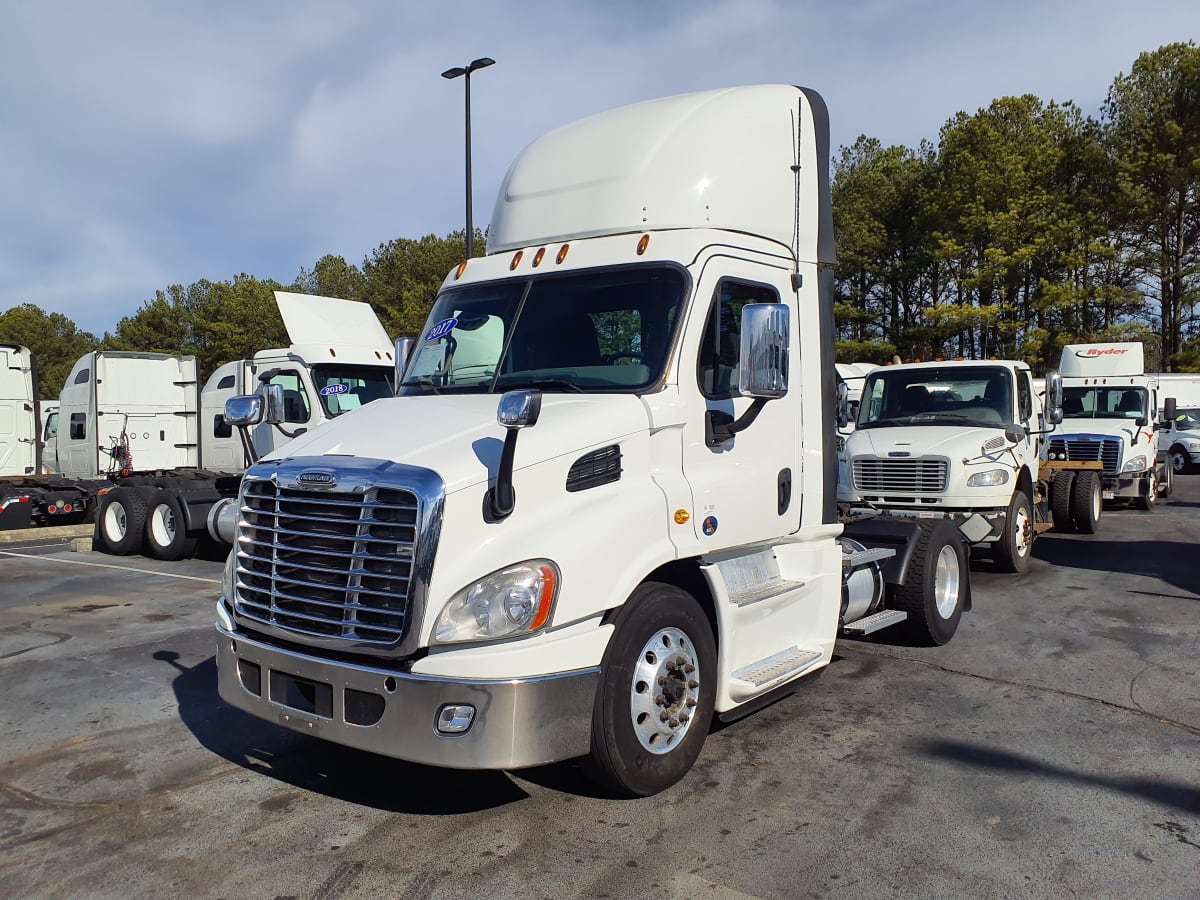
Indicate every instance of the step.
{"type": "Point", "coordinates": [754, 577]}
{"type": "Point", "coordinates": [777, 667]}
{"type": "Point", "coordinates": [860, 558]}
{"type": "Point", "coordinates": [876, 622]}
{"type": "Point", "coordinates": [764, 590]}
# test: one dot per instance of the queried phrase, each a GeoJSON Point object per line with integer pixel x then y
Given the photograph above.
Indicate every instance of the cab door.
{"type": "Point", "coordinates": [742, 489]}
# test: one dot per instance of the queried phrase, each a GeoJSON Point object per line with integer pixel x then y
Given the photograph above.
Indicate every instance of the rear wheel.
{"type": "Point", "coordinates": [935, 586]}
{"type": "Point", "coordinates": [166, 532]}
{"type": "Point", "coordinates": [1061, 492]}
{"type": "Point", "coordinates": [120, 521]}
{"type": "Point", "coordinates": [654, 704]}
{"type": "Point", "coordinates": [1086, 502]}
{"type": "Point", "coordinates": [1146, 500]}
{"type": "Point", "coordinates": [1012, 551]}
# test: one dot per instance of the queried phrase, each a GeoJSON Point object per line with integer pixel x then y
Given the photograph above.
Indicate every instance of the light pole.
{"type": "Point", "coordinates": [481, 63]}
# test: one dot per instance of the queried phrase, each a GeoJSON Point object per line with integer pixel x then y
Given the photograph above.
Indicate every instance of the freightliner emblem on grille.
{"type": "Point", "coordinates": [324, 479]}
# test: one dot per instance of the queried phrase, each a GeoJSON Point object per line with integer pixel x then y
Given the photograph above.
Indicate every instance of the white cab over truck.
{"type": "Point", "coordinates": [1180, 437]}
{"type": "Point", "coordinates": [1111, 414]}
{"type": "Point", "coordinates": [965, 441]}
{"type": "Point", "coordinates": [602, 508]}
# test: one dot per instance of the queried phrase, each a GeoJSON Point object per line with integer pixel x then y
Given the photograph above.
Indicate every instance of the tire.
{"type": "Point", "coordinates": [1012, 552]}
{"type": "Point", "coordinates": [1086, 502]}
{"type": "Point", "coordinates": [1061, 493]}
{"type": "Point", "coordinates": [1181, 460]}
{"type": "Point", "coordinates": [1168, 482]}
{"type": "Point", "coordinates": [1146, 501]}
{"type": "Point", "coordinates": [634, 753]}
{"type": "Point", "coordinates": [166, 534]}
{"type": "Point", "coordinates": [936, 585]}
{"type": "Point", "coordinates": [121, 521]}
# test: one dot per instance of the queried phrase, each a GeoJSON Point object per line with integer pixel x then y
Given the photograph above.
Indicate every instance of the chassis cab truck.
{"type": "Point", "coordinates": [1180, 437]}
{"type": "Point", "coordinates": [1111, 415]}
{"type": "Point", "coordinates": [965, 441]}
{"type": "Point", "coordinates": [602, 507]}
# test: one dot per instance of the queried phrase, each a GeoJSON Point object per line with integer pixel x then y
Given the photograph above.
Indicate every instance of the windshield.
{"type": "Point", "coordinates": [956, 395]}
{"type": "Point", "coordinates": [589, 331]}
{"type": "Point", "coordinates": [1104, 403]}
{"type": "Point", "coordinates": [343, 388]}
{"type": "Point", "coordinates": [1187, 419]}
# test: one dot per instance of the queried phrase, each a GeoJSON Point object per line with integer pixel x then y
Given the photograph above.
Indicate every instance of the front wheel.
{"type": "Point", "coordinates": [1146, 501]}
{"type": "Point", "coordinates": [1012, 551]}
{"type": "Point", "coordinates": [1181, 460]}
{"type": "Point", "coordinates": [654, 704]}
{"type": "Point", "coordinates": [935, 586]}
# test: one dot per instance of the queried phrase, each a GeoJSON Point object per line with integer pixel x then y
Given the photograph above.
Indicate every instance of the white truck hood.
{"type": "Point", "coordinates": [954, 442]}
{"type": "Point", "coordinates": [458, 437]}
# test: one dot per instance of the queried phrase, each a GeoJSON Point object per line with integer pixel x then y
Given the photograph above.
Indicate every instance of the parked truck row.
{"type": "Point", "coordinates": [135, 444]}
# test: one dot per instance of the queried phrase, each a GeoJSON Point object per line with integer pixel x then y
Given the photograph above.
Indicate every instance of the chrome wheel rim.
{"type": "Point", "coordinates": [665, 691]}
{"type": "Point", "coordinates": [946, 578]}
{"type": "Point", "coordinates": [1022, 540]}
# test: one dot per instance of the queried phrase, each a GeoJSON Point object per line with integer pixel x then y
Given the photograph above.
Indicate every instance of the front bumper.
{"type": "Point", "coordinates": [1127, 484]}
{"type": "Point", "coordinates": [518, 722]}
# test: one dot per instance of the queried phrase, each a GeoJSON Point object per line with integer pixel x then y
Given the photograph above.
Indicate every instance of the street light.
{"type": "Point", "coordinates": [482, 63]}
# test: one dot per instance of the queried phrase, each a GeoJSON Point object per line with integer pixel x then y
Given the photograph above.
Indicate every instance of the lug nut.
{"type": "Point", "coordinates": [690, 702]}
{"type": "Point", "coordinates": [693, 683]}
{"type": "Point", "coordinates": [689, 668]}
{"type": "Point", "coordinates": [684, 717]}
{"type": "Point", "coordinates": [674, 723]}
{"type": "Point", "coordinates": [663, 717]}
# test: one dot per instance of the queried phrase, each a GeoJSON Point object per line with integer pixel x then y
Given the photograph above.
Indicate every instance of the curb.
{"type": "Point", "coordinates": [49, 533]}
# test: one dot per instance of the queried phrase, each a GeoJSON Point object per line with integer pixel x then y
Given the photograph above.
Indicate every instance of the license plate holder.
{"type": "Point", "coordinates": [1109, 495]}
{"type": "Point", "coordinates": [302, 695]}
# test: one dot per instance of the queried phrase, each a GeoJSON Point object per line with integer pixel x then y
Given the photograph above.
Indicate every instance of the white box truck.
{"type": "Point", "coordinates": [966, 441]}
{"type": "Point", "coordinates": [1111, 414]}
{"type": "Point", "coordinates": [602, 509]}
{"type": "Point", "coordinates": [1180, 438]}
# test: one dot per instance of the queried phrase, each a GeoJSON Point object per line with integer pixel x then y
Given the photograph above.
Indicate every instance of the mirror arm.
{"type": "Point", "coordinates": [251, 455]}
{"type": "Point", "coordinates": [720, 427]}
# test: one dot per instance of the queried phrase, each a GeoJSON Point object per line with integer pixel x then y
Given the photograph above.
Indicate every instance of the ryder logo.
{"type": "Point", "coordinates": [1093, 352]}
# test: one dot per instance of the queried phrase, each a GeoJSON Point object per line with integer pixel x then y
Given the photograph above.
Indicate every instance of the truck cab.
{"type": "Point", "coordinates": [601, 510]}
{"type": "Point", "coordinates": [1180, 437]}
{"type": "Point", "coordinates": [961, 440]}
{"type": "Point", "coordinates": [1111, 413]}
{"type": "Point", "coordinates": [19, 448]}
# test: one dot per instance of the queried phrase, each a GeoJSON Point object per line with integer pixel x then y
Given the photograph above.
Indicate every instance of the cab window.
{"type": "Point", "coordinates": [51, 427]}
{"type": "Point", "coordinates": [1024, 396]}
{"type": "Point", "coordinates": [296, 407]}
{"type": "Point", "coordinates": [721, 346]}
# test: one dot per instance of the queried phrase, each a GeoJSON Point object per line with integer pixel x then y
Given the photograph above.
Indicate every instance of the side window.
{"type": "Point", "coordinates": [83, 376]}
{"type": "Point", "coordinates": [78, 426]}
{"type": "Point", "coordinates": [227, 382]}
{"type": "Point", "coordinates": [221, 428]}
{"type": "Point", "coordinates": [295, 397]}
{"type": "Point", "coordinates": [1024, 396]}
{"type": "Point", "coordinates": [51, 426]}
{"type": "Point", "coordinates": [721, 346]}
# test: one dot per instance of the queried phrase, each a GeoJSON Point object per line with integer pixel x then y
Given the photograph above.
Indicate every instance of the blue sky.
{"type": "Point", "coordinates": [145, 143]}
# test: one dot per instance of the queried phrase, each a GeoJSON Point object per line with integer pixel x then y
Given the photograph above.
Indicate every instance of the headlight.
{"type": "Point", "coordinates": [1136, 464]}
{"type": "Point", "coordinates": [1193, 445]}
{"type": "Point", "coordinates": [990, 478]}
{"type": "Point", "coordinates": [230, 577]}
{"type": "Point", "coordinates": [515, 600]}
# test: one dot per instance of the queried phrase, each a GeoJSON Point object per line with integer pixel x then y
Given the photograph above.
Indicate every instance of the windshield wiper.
{"type": "Point", "coordinates": [547, 383]}
{"type": "Point", "coordinates": [422, 383]}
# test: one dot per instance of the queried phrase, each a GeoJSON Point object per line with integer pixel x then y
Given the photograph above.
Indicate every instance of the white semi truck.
{"type": "Point", "coordinates": [136, 444]}
{"type": "Point", "coordinates": [1180, 437]}
{"type": "Point", "coordinates": [1112, 414]}
{"type": "Point", "coordinates": [965, 440]}
{"type": "Point", "coordinates": [19, 448]}
{"type": "Point", "coordinates": [602, 508]}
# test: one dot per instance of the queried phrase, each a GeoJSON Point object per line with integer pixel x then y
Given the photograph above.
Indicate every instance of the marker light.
{"type": "Point", "coordinates": [643, 243]}
{"type": "Point", "coordinates": [516, 260]}
{"type": "Point", "coordinates": [462, 267]}
{"type": "Point", "coordinates": [562, 253]}
{"type": "Point", "coordinates": [537, 257]}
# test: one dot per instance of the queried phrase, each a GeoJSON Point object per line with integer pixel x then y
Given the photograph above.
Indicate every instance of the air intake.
{"type": "Point", "coordinates": [595, 468]}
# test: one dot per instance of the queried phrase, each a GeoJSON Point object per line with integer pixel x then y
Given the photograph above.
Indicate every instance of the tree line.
{"type": "Point", "coordinates": [1027, 226]}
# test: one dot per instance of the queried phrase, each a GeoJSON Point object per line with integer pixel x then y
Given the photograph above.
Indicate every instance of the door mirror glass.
{"type": "Point", "coordinates": [1014, 433]}
{"type": "Point", "coordinates": [843, 405]}
{"type": "Point", "coordinates": [764, 351]}
{"type": "Point", "coordinates": [1054, 398]}
{"type": "Point", "coordinates": [1169, 411]}
{"type": "Point", "coordinates": [273, 397]}
{"type": "Point", "coordinates": [404, 347]}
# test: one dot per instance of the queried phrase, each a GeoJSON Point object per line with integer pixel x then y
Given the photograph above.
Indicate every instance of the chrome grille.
{"type": "Point", "coordinates": [1106, 450]}
{"type": "Point", "coordinates": [325, 563]}
{"type": "Point", "coordinates": [900, 476]}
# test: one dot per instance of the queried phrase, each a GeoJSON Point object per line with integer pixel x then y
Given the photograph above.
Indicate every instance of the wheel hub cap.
{"type": "Point", "coordinates": [665, 690]}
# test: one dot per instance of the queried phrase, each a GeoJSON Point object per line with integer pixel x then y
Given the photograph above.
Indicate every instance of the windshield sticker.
{"type": "Point", "coordinates": [440, 330]}
{"type": "Point", "coordinates": [331, 389]}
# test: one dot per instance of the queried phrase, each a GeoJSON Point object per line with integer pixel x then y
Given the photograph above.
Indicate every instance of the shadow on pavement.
{"type": "Point", "coordinates": [344, 773]}
{"type": "Point", "coordinates": [1180, 796]}
{"type": "Point", "coordinates": [1169, 560]}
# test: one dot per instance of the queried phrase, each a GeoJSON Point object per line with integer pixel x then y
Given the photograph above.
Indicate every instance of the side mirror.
{"type": "Point", "coordinates": [763, 373]}
{"type": "Point", "coordinates": [244, 409]}
{"type": "Point", "coordinates": [1014, 433]}
{"type": "Point", "coordinates": [519, 409]}
{"type": "Point", "coordinates": [843, 405]}
{"type": "Point", "coordinates": [1054, 398]}
{"type": "Point", "coordinates": [273, 400]}
{"type": "Point", "coordinates": [1169, 410]}
{"type": "Point", "coordinates": [1142, 421]}
{"type": "Point", "coordinates": [404, 348]}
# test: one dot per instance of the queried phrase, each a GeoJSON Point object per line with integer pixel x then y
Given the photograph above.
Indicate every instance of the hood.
{"type": "Point", "coordinates": [954, 442]}
{"type": "Point", "coordinates": [458, 437]}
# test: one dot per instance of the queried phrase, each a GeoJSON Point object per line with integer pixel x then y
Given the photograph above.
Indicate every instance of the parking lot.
{"type": "Point", "coordinates": [1052, 749]}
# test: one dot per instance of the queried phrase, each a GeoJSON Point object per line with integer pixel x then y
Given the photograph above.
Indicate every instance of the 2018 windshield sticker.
{"type": "Point", "coordinates": [440, 330]}
{"type": "Point", "coordinates": [331, 389]}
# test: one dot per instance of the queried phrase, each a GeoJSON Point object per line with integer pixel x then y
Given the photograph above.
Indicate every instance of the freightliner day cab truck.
{"type": "Point", "coordinates": [602, 508]}
{"type": "Point", "coordinates": [1180, 437]}
{"type": "Point", "coordinates": [1111, 414]}
{"type": "Point", "coordinates": [965, 440]}
{"type": "Point", "coordinates": [152, 457]}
